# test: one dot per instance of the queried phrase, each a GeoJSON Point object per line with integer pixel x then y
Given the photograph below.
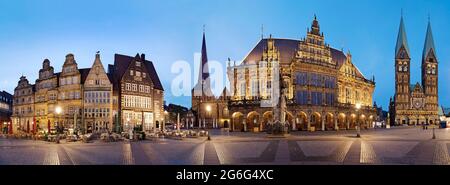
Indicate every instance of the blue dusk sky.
{"type": "Point", "coordinates": [171, 30]}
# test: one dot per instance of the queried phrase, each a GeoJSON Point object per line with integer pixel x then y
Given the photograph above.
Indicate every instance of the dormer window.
{"type": "Point", "coordinates": [138, 64]}
{"type": "Point", "coordinates": [131, 72]}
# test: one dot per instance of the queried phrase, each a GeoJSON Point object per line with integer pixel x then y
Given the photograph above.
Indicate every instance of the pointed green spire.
{"type": "Point", "coordinates": [401, 39]}
{"type": "Point", "coordinates": [429, 43]}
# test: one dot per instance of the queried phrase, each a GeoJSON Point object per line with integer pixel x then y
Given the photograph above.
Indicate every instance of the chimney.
{"type": "Point", "coordinates": [143, 57]}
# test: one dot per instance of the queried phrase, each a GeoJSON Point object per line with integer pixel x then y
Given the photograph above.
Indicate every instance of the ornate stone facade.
{"type": "Point", "coordinates": [23, 115]}
{"type": "Point", "coordinates": [97, 96]}
{"type": "Point", "coordinates": [85, 100]}
{"type": "Point", "coordinates": [415, 103]}
{"type": "Point", "coordinates": [69, 95]}
{"type": "Point", "coordinates": [323, 86]}
{"type": "Point", "coordinates": [46, 96]}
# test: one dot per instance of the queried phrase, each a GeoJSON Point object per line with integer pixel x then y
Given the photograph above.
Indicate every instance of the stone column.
{"type": "Point", "coordinates": [336, 122]}
{"type": "Point", "coordinates": [323, 123]}
{"type": "Point", "coordinates": [347, 122]}
{"type": "Point", "coordinates": [232, 124]}
{"type": "Point", "coordinates": [309, 123]}
{"type": "Point", "coordinates": [294, 123]}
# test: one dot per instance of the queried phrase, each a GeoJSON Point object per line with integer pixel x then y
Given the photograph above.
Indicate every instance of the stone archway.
{"type": "Point", "coordinates": [422, 120]}
{"type": "Point", "coordinates": [316, 121]}
{"type": "Point", "coordinates": [290, 120]}
{"type": "Point", "coordinates": [267, 118]}
{"type": "Point", "coordinates": [226, 124]}
{"type": "Point", "coordinates": [253, 121]}
{"type": "Point", "coordinates": [329, 121]}
{"type": "Point", "coordinates": [414, 120]}
{"type": "Point", "coordinates": [342, 124]}
{"type": "Point", "coordinates": [352, 121]}
{"type": "Point", "coordinates": [237, 119]}
{"type": "Point", "coordinates": [363, 121]}
{"type": "Point", "coordinates": [302, 121]}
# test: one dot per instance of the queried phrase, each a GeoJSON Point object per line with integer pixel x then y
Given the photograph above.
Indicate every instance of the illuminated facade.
{"type": "Point", "coordinates": [323, 86]}
{"type": "Point", "coordinates": [89, 99]}
{"type": "Point", "coordinates": [6, 102]}
{"type": "Point", "coordinates": [69, 94]}
{"type": "Point", "coordinates": [23, 105]}
{"type": "Point", "coordinates": [138, 95]}
{"type": "Point", "coordinates": [46, 96]}
{"type": "Point", "coordinates": [415, 103]}
{"type": "Point", "coordinates": [97, 96]}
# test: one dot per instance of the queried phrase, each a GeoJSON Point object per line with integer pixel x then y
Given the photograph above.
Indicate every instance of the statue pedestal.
{"type": "Point", "coordinates": [278, 130]}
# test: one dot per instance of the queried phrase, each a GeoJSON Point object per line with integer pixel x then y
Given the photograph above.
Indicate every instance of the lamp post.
{"type": "Point", "coordinates": [208, 109]}
{"type": "Point", "coordinates": [358, 106]}
{"type": "Point", "coordinates": [164, 121]}
{"type": "Point", "coordinates": [58, 111]}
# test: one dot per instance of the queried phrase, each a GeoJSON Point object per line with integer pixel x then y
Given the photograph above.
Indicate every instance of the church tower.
{"type": "Point", "coordinates": [402, 70]}
{"type": "Point", "coordinates": [204, 103]}
{"type": "Point", "coordinates": [203, 86]}
{"type": "Point", "coordinates": [430, 72]}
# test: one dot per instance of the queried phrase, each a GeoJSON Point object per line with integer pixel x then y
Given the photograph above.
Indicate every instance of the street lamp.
{"type": "Point", "coordinates": [208, 109]}
{"type": "Point", "coordinates": [165, 120]}
{"type": "Point", "coordinates": [58, 111]}
{"type": "Point", "coordinates": [358, 106]}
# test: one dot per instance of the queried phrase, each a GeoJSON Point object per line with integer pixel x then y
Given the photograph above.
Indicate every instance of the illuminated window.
{"type": "Point", "coordinates": [128, 86]}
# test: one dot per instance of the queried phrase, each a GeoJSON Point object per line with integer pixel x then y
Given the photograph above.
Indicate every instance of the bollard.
{"type": "Point", "coordinates": [434, 135]}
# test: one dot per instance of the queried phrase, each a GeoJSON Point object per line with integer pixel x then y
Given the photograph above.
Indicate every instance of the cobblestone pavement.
{"type": "Point", "coordinates": [399, 146]}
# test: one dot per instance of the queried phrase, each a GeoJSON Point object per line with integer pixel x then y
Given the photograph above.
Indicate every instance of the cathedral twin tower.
{"type": "Point", "coordinates": [415, 103]}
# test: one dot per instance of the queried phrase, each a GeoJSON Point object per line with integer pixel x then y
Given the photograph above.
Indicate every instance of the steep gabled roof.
{"type": "Point", "coordinates": [288, 49]}
{"type": "Point", "coordinates": [84, 73]}
{"type": "Point", "coordinates": [338, 57]}
{"type": "Point", "coordinates": [121, 63]}
{"type": "Point", "coordinates": [153, 75]}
